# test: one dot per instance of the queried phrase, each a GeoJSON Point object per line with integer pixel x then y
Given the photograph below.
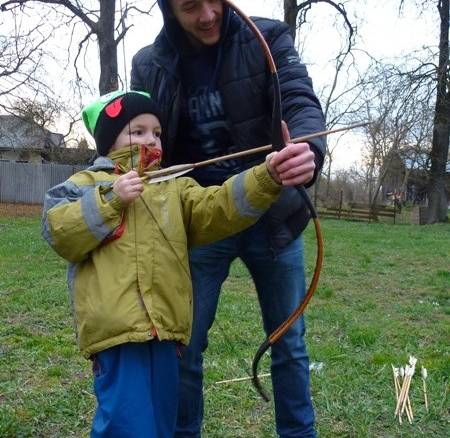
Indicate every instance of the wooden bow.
{"type": "Point", "coordinates": [278, 143]}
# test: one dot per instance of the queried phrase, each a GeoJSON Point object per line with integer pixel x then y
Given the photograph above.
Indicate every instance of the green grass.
{"type": "Point", "coordinates": [383, 294]}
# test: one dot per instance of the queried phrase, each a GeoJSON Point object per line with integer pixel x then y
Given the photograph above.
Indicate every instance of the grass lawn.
{"type": "Point", "coordinates": [383, 294]}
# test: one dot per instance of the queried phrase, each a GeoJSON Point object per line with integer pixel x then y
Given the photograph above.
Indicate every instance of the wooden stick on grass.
{"type": "Point", "coordinates": [406, 403]}
{"type": "Point", "coordinates": [402, 390]}
{"type": "Point", "coordinates": [402, 403]}
{"type": "Point", "coordinates": [240, 379]}
{"type": "Point", "coordinates": [424, 385]}
{"type": "Point", "coordinates": [396, 373]}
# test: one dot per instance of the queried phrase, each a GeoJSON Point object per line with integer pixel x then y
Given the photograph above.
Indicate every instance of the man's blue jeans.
{"type": "Point", "coordinates": [280, 285]}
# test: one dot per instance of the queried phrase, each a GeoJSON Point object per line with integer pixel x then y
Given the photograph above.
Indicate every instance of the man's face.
{"type": "Point", "coordinates": [200, 19]}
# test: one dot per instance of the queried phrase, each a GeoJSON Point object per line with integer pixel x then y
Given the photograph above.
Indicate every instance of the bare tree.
{"type": "Point", "coordinates": [43, 113]}
{"type": "Point", "coordinates": [100, 23]}
{"type": "Point", "coordinates": [398, 114]}
{"type": "Point", "coordinates": [341, 105]}
{"type": "Point", "coordinates": [416, 152]}
{"type": "Point", "coordinates": [441, 130]}
{"type": "Point", "coordinates": [21, 58]}
{"type": "Point", "coordinates": [339, 98]}
{"type": "Point", "coordinates": [428, 79]}
{"type": "Point", "coordinates": [440, 75]}
{"type": "Point", "coordinates": [295, 15]}
{"type": "Point", "coordinates": [24, 92]}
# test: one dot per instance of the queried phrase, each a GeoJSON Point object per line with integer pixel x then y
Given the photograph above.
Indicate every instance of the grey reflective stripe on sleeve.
{"type": "Point", "coordinates": [60, 194]}
{"type": "Point", "coordinates": [243, 207]}
{"type": "Point", "coordinates": [45, 227]}
{"type": "Point", "coordinates": [45, 231]}
{"type": "Point", "coordinates": [92, 216]}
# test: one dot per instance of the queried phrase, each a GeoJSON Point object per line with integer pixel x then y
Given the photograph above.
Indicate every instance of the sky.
{"type": "Point", "coordinates": [381, 31]}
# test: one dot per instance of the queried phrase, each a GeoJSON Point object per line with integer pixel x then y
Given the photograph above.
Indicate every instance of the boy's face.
{"type": "Point", "coordinates": [200, 19]}
{"type": "Point", "coordinates": [143, 129]}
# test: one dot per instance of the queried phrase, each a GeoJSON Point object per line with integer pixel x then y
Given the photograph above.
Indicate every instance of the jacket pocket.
{"type": "Point", "coordinates": [287, 218]}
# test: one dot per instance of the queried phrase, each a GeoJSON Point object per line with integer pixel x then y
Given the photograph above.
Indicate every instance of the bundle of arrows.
{"type": "Point", "coordinates": [402, 383]}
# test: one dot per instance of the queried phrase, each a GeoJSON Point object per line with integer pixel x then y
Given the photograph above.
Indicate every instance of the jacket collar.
{"type": "Point", "coordinates": [102, 163]}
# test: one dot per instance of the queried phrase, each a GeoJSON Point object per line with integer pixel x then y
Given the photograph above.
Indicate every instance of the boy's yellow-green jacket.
{"type": "Point", "coordinates": [138, 286]}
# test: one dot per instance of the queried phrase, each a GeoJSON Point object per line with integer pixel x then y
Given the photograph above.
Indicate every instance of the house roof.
{"type": "Point", "coordinates": [18, 133]}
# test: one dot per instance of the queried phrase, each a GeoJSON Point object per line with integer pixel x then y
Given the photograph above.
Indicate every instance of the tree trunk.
{"type": "Point", "coordinates": [107, 47]}
{"type": "Point", "coordinates": [380, 182]}
{"type": "Point", "coordinates": [290, 16]}
{"type": "Point", "coordinates": [330, 162]}
{"type": "Point", "coordinates": [441, 129]}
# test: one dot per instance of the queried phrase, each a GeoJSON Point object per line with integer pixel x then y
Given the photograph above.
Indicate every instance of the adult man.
{"type": "Point", "coordinates": [209, 75]}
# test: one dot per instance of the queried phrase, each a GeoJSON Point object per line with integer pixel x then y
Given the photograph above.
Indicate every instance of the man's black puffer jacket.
{"type": "Point", "coordinates": [245, 83]}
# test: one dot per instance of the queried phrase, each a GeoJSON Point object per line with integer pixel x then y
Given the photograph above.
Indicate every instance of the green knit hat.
{"type": "Point", "coordinates": [109, 114]}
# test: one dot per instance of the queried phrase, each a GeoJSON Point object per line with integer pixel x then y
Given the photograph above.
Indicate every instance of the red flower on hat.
{"type": "Point", "coordinates": [114, 108]}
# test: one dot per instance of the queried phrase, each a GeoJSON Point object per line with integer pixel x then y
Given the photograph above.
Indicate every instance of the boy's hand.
{"type": "Point", "coordinates": [294, 164]}
{"type": "Point", "coordinates": [128, 187]}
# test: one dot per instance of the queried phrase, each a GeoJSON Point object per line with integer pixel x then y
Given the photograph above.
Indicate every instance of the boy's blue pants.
{"type": "Point", "coordinates": [136, 388]}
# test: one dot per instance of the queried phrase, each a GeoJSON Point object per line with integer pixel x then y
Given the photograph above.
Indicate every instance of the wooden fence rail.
{"type": "Point", "coordinates": [358, 212]}
{"type": "Point", "coordinates": [25, 183]}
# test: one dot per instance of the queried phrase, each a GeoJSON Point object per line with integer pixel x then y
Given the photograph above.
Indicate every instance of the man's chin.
{"type": "Point", "coordinates": [208, 40]}
{"type": "Point", "coordinates": [200, 39]}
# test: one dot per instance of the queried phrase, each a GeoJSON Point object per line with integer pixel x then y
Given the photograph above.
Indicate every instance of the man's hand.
{"type": "Point", "coordinates": [128, 187]}
{"type": "Point", "coordinates": [294, 164]}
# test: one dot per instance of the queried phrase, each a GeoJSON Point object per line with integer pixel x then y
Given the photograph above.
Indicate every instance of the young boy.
{"type": "Point", "coordinates": [127, 244]}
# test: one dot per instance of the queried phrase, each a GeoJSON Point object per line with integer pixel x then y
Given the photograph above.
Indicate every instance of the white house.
{"type": "Point", "coordinates": [24, 141]}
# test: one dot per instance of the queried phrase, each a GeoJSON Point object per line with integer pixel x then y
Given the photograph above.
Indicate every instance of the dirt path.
{"type": "Point", "coordinates": [20, 210]}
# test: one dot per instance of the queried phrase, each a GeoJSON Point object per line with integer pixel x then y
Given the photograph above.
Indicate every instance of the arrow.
{"type": "Point", "coordinates": [180, 169]}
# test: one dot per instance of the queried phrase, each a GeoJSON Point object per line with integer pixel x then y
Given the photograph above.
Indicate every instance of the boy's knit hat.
{"type": "Point", "coordinates": [108, 115]}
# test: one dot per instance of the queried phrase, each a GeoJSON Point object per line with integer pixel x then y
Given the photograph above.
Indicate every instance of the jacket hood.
{"type": "Point", "coordinates": [164, 6]}
{"type": "Point", "coordinates": [165, 9]}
